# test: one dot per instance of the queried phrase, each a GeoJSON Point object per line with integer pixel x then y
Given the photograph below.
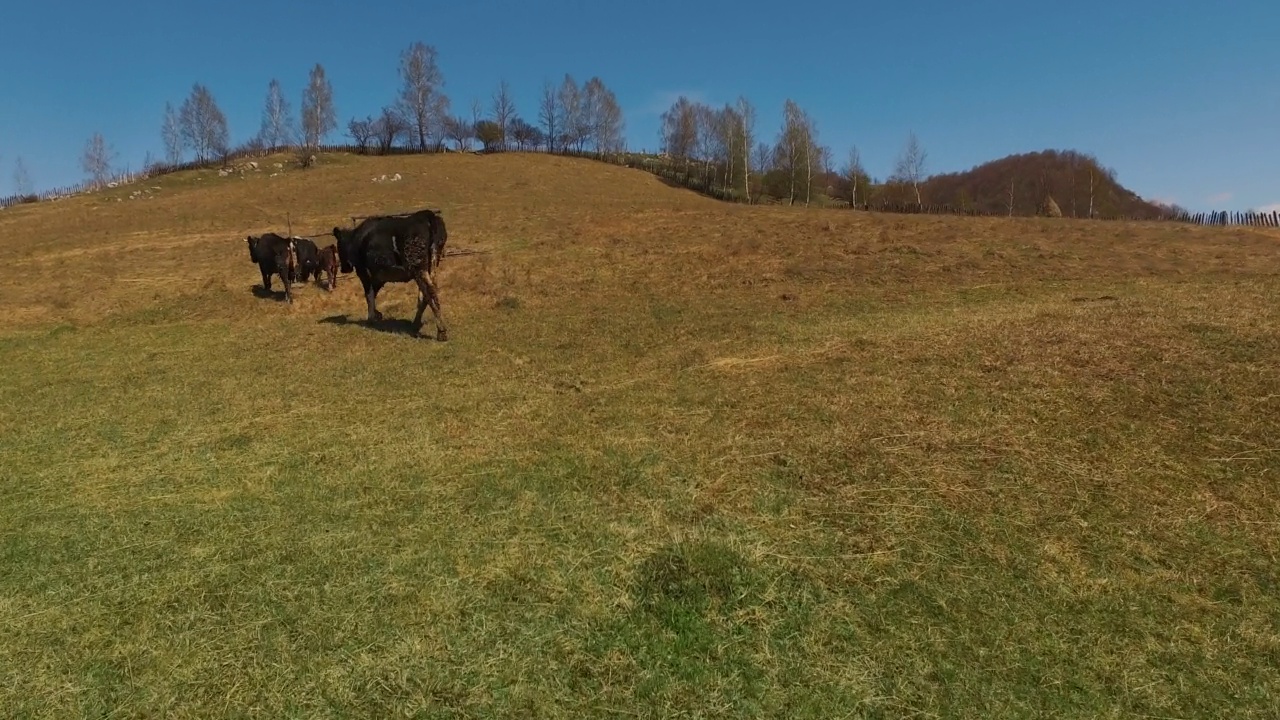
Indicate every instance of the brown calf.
{"type": "Point", "coordinates": [329, 264]}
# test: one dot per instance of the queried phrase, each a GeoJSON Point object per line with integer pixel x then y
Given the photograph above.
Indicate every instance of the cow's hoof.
{"type": "Point", "coordinates": [442, 335]}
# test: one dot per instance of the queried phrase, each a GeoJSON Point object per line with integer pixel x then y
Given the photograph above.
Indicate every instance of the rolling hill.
{"type": "Point", "coordinates": [679, 457]}
{"type": "Point", "coordinates": [1077, 183]}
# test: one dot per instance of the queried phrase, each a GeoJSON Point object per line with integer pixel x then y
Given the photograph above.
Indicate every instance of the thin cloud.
{"type": "Point", "coordinates": [1221, 197]}
{"type": "Point", "coordinates": [1272, 208]}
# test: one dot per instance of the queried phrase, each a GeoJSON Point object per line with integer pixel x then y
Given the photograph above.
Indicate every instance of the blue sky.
{"type": "Point", "coordinates": [1181, 100]}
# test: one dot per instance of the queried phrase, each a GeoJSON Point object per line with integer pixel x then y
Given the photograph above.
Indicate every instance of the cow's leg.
{"type": "Point", "coordinates": [371, 298]}
{"type": "Point", "coordinates": [288, 286]}
{"type": "Point", "coordinates": [429, 295]}
{"type": "Point", "coordinates": [366, 282]}
{"type": "Point", "coordinates": [266, 279]}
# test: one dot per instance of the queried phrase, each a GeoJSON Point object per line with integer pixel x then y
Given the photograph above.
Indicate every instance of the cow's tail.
{"type": "Point", "coordinates": [439, 236]}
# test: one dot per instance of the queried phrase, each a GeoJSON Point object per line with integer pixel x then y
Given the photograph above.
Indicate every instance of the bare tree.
{"type": "Point", "coordinates": [746, 137]}
{"type": "Point", "coordinates": [590, 96]}
{"type": "Point", "coordinates": [825, 157]}
{"type": "Point", "coordinates": [794, 153]}
{"type": "Point", "coordinates": [602, 117]}
{"type": "Point", "coordinates": [461, 131]}
{"type": "Point", "coordinates": [723, 127]}
{"type": "Point", "coordinates": [96, 160]}
{"type": "Point", "coordinates": [680, 132]}
{"type": "Point", "coordinates": [171, 133]}
{"type": "Point", "coordinates": [319, 117]}
{"type": "Point", "coordinates": [388, 128]}
{"type": "Point", "coordinates": [815, 156]}
{"type": "Point", "coordinates": [911, 164]}
{"type": "Point", "coordinates": [504, 109]}
{"type": "Point", "coordinates": [422, 101]}
{"type": "Point", "coordinates": [1011, 181]}
{"type": "Point", "coordinates": [202, 124]}
{"type": "Point", "coordinates": [1073, 160]}
{"type": "Point", "coordinates": [549, 114]}
{"type": "Point", "coordinates": [853, 172]}
{"type": "Point", "coordinates": [1091, 184]}
{"type": "Point", "coordinates": [571, 117]}
{"type": "Point", "coordinates": [22, 184]}
{"type": "Point", "coordinates": [525, 135]}
{"type": "Point", "coordinates": [762, 161]}
{"type": "Point", "coordinates": [362, 132]}
{"type": "Point", "coordinates": [277, 120]}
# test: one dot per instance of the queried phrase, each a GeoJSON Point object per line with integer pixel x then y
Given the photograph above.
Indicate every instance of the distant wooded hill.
{"type": "Point", "coordinates": [1079, 185]}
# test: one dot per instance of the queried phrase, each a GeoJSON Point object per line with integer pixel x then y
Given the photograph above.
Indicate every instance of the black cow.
{"type": "Point", "coordinates": [308, 260]}
{"type": "Point", "coordinates": [274, 255]}
{"type": "Point", "coordinates": [401, 248]}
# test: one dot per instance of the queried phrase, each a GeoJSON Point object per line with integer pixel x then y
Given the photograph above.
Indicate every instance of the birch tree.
{"type": "Point", "coordinates": [853, 172]}
{"type": "Point", "coordinates": [680, 130]}
{"type": "Point", "coordinates": [911, 164]}
{"type": "Point", "coordinates": [277, 118]}
{"type": "Point", "coordinates": [602, 117]}
{"type": "Point", "coordinates": [571, 120]}
{"type": "Point", "coordinates": [422, 100]}
{"type": "Point", "coordinates": [793, 152]}
{"type": "Point", "coordinates": [319, 117]}
{"type": "Point", "coordinates": [202, 125]}
{"type": "Point", "coordinates": [729, 127]}
{"type": "Point", "coordinates": [171, 133]}
{"type": "Point", "coordinates": [96, 160]}
{"type": "Point", "coordinates": [815, 156]}
{"type": "Point", "coordinates": [747, 119]}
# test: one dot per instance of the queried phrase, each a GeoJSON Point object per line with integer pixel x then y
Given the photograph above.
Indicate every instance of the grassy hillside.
{"type": "Point", "coordinates": [1074, 181]}
{"type": "Point", "coordinates": [678, 458]}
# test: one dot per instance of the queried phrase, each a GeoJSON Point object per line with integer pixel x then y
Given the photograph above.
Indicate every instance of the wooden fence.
{"type": "Point", "coordinates": [1250, 219]}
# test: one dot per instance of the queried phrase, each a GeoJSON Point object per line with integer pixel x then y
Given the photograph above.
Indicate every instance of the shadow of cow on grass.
{"type": "Point", "coordinates": [391, 326]}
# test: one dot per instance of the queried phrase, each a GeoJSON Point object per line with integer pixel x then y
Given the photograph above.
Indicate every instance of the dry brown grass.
{"type": "Point", "coordinates": [678, 457]}
{"type": "Point", "coordinates": [558, 225]}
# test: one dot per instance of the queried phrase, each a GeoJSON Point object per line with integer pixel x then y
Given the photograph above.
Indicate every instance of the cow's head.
{"type": "Point", "coordinates": [253, 247]}
{"type": "Point", "coordinates": [344, 249]}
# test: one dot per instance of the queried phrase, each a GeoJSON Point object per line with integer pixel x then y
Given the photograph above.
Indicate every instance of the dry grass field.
{"type": "Point", "coordinates": [678, 459]}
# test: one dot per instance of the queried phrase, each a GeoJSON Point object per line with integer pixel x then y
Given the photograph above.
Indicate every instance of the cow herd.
{"type": "Point", "coordinates": [381, 249]}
